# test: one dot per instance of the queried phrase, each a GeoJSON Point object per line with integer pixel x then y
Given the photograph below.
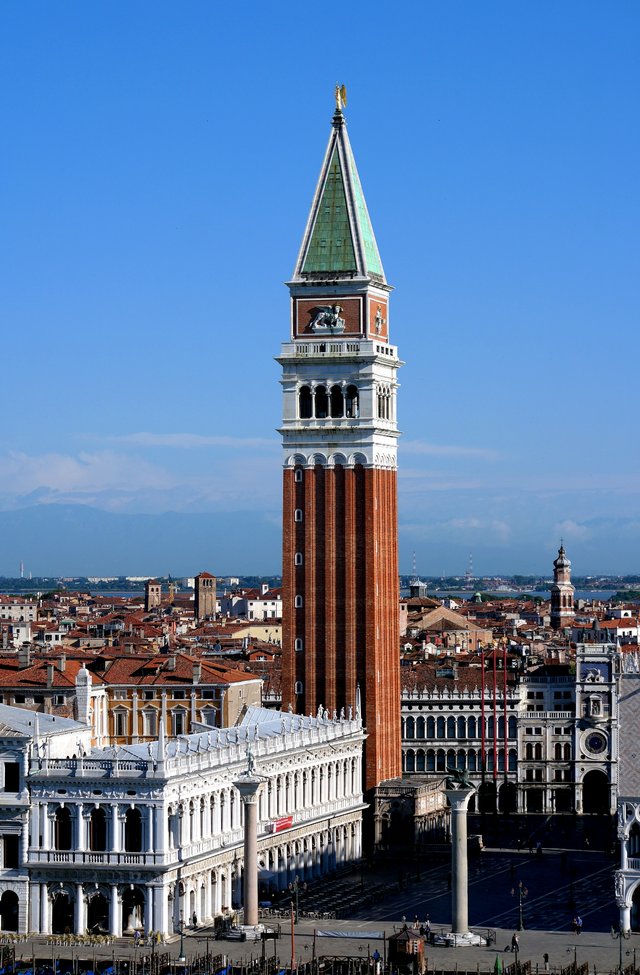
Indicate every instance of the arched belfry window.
{"type": "Point", "coordinates": [305, 403]}
{"type": "Point", "coordinates": [352, 402]}
{"type": "Point", "coordinates": [336, 401]}
{"type": "Point", "coordinates": [322, 403]}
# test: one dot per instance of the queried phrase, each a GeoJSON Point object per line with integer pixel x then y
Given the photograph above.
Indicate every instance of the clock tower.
{"type": "Point", "coordinates": [339, 434]}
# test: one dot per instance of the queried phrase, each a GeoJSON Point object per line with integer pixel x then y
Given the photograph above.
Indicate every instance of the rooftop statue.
{"type": "Point", "coordinates": [341, 97]}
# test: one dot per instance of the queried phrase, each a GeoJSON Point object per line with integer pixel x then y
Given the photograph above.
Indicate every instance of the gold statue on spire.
{"type": "Point", "coordinates": [341, 97]}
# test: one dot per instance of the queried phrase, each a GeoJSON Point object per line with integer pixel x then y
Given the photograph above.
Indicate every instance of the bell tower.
{"type": "Point", "coordinates": [339, 434]}
{"type": "Point", "coordinates": [562, 590]}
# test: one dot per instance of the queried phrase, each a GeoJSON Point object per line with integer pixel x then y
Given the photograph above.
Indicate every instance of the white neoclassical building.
{"type": "Point", "coordinates": [127, 838]}
{"type": "Point", "coordinates": [628, 876]}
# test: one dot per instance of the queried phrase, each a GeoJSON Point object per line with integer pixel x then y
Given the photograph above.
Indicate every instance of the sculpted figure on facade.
{"type": "Point", "coordinates": [327, 318]}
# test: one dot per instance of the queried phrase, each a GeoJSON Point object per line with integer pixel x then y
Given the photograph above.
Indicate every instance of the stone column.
{"type": "Point", "coordinates": [34, 907]}
{"type": "Point", "coordinates": [115, 920]}
{"type": "Point", "coordinates": [45, 912]}
{"type": "Point", "coordinates": [79, 918]}
{"type": "Point", "coordinates": [248, 785]}
{"type": "Point", "coordinates": [458, 800]}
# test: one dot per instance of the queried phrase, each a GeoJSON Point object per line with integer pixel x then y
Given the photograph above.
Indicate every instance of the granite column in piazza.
{"type": "Point", "coordinates": [458, 800]}
{"type": "Point", "coordinates": [248, 786]}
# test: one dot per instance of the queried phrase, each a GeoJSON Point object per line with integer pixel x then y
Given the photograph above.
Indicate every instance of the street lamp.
{"type": "Point", "coordinates": [182, 960]}
{"type": "Point", "coordinates": [295, 889]}
{"type": "Point", "coordinates": [521, 893]}
{"type": "Point", "coordinates": [620, 934]}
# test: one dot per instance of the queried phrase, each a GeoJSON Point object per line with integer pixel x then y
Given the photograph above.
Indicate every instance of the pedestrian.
{"type": "Point", "coordinates": [515, 942]}
{"type": "Point", "coordinates": [194, 920]}
{"type": "Point", "coordinates": [545, 958]}
{"type": "Point", "coordinates": [539, 848]}
{"type": "Point", "coordinates": [415, 921]}
{"type": "Point", "coordinates": [427, 925]}
{"type": "Point", "coordinates": [578, 925]}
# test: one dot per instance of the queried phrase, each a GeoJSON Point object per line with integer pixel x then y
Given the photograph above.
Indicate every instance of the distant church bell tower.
{"type": "Point", "coordinates": [562, 591]}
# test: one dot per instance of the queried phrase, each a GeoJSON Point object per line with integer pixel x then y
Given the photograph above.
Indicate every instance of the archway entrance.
{"type": "Point", "coordinates": [534, 800]}
{"type": "Point", "coordinates": [62, 914]}
{"type": "Point", "coordinates": [132, 910]}
{"type": "Point", "coordinates": [9, 911]}
{"type": "Point", "coordinates": [635, 910]}
{"type": "Point", "coordinates": [507, 797]}
{"type": "Point", "coordinates": [595, 792]}
{"type": "Point", "coordinates": [487, 797]}
{"type": "Point", "coordinates": [98, 915]}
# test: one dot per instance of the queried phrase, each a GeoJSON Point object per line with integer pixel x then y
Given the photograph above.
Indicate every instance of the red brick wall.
{"type": "Point", "coordinates": [352, 309]}
{"type": "Point", "coordinates": [349, 621]}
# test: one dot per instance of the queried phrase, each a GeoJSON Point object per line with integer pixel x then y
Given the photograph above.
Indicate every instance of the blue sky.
{"type": "Point", "coordinates": [158, 164]}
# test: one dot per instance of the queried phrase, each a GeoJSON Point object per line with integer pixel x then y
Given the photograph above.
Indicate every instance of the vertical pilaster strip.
{"type": "Point", "coordinates": [288, 588]}
{"type": "Point", "coordinates": [309, 555]}
{"type": "Point", "coordinates": [350, 567]}
{"type": "Point", "coordinates": [329, 610]}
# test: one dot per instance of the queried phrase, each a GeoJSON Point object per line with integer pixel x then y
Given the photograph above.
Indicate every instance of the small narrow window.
{"type": "Point", "coordinates": [352, 401]}
{"type": "Point", "coordinates": [336, 401]}
{"type": "Point", "coordinates": [298, 602]}
{"type": "Point", "coordinates": [322, 403]}
{"type": "Point", "coordinates": [298, 476]}
{"type": "Point", "coordinates": [11, 777]}
{"type": "Point", "coordinates": [298, 687]}
{"type": "Point", "coordinates": [305, 403]}
{"type": "Point", "coordinates": [298, 514]}
{"type": "Point", "coordinates": [298, 558]}
{"type": "Point", "coordinates": [298, 644]}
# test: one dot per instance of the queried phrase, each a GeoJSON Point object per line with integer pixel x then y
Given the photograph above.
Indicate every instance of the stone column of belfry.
{"type": "Point", "coordinates": [339, 433]}
{"type": "Point", "coordinates": [248, 785]}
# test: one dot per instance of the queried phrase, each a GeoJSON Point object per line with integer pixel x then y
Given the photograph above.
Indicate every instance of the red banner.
{"type": "Point", "coordinates": [285, 823]}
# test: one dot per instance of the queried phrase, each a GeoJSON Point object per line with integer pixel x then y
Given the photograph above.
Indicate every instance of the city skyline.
{"type": "Point", "coordinates": [154, 179]}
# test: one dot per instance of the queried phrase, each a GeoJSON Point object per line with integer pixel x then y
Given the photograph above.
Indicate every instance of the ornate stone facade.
{"type": "Point", "coordinates": [121, 839]}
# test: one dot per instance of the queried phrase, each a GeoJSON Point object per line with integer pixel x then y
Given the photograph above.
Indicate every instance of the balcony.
{"type": "Point", "coordinates": [86, 858]}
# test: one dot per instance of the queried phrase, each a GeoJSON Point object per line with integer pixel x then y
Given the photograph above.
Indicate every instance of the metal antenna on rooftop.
{"type": "Point", "coordinates": [469, 573]}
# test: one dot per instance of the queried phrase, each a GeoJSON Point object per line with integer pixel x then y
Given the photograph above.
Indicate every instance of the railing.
{"type": "Point", "coordinates": [90, 858]}
{"type": "Point", "coordinates": [332, 348]}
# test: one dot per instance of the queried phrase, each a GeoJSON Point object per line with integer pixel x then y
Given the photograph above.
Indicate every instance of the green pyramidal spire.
{"type": "Point", "coordinates": [339, 239]}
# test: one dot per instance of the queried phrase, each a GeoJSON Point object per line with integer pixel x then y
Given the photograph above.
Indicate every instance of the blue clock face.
{"type": "Point", "coordinates": [595, 743]}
